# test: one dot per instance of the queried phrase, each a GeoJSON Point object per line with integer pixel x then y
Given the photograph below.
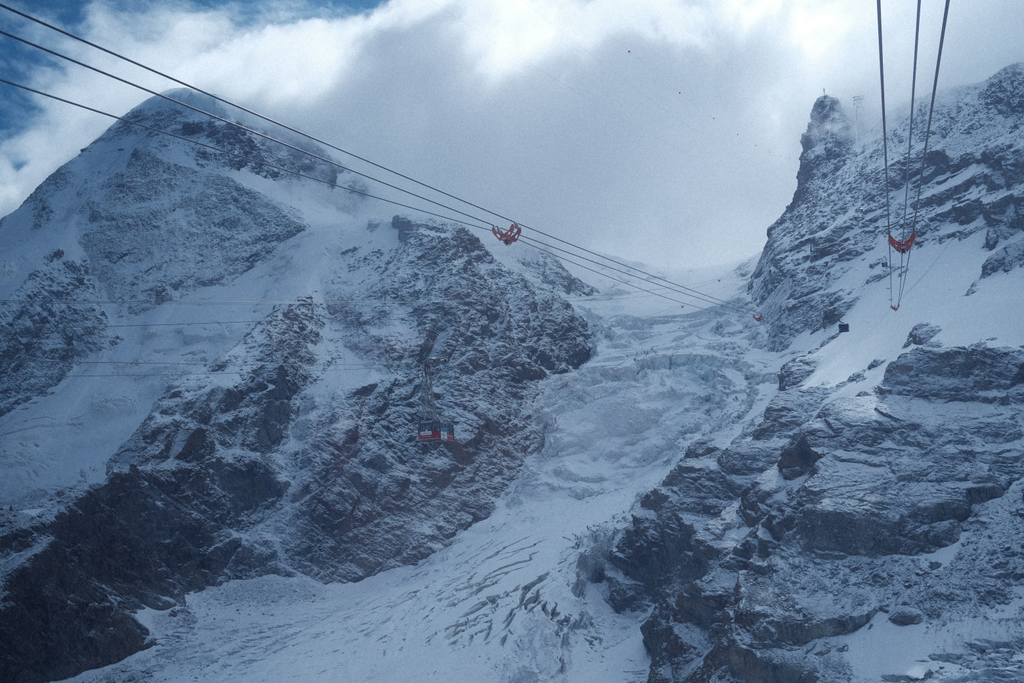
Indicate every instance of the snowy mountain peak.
{"type": "Point", "coordinates": [266, 348]}
{"type": "Point", "coordinates": [828, 129]}
{"type": "Point", "coordinates": [216, 372]}
{"type": "Point", "coordinates": [829, 249]}
{"type": "Point", "coordinates": [1004, 92]}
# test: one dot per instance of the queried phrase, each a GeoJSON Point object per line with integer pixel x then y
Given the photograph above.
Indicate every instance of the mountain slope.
{"type": "Point", "coordinates": [876, 500]}
{"type": "Point", "coordinates": [638, 492]}
{"type": "Point", "coordinates": [824, 252]}
{"type": "Point", "coordinates": [280, 436]}
{"type": "Point", "coordinates": [509, 598]}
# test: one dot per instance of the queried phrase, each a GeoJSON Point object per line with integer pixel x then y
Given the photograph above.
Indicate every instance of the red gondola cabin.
{"type": "Point", "coordinates": [436, 431]}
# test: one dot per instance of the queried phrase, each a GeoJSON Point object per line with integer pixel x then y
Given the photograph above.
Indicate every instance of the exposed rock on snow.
{"type": "Point", "coordinates": [553, 275]}
{"type": "Point", "coordinates": [892, 479]}
{"type": "Point", "coordinates": [158, 229]}
{"type": "Point", "coordinates": [820, 249]}
{"type": "Point", "coordinates": [796, 370]}
{"type": "Point", "coordinates": [1004, 92]}
{"type": "Point", "coordinates": [778, 557]}
{"type": "Point", "coordinates": [975, 373]}
{"type": "Point", "coordinates": [52, 322]}
{"type": "Point", "coordinates": [256, 464]}
{"type": "Point", "coordinates": [906, 616]}
{"type": "Point", "coordinates": [797, 460]}
{"type": "Point", "coordinates": [921, 335]}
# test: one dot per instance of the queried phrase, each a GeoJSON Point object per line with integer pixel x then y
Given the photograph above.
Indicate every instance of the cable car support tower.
{"type": "Point", "coordinates": [432, 426]}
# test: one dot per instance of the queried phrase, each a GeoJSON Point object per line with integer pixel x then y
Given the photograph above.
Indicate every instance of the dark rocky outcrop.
{"type": "Point", "coordinates": [798, 459]}
{"type": "Point", "coordinates": [794, 371]}
{"type": "Point", "coordinates": [1004, 92]}
{"type": "Point", "coordinates": [159, 230]}
{"type": "Point", "coordinates": [906, 616]}
{"type": "Point", "coordinates": [921, 334]}
{"type": "Point", "coordinates": [143, 539]}
{"type": "Point", "coordinates": [53, 320]}
{"type": "Point", "coordinates": [975, 373]}
{"type": "Point", "coordinates": [904, 471]}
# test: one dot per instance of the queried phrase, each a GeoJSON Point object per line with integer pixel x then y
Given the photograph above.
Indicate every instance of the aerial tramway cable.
{"type": "Point", "coordinates": [910, 127]}
{"type": "Point", "coordinates": [241, 108]}
{"type": "Point", "coordinates": [704, 298]}
{"type": "Point", "coordinates": [432, 427]}
{"type": "Point", "coordinates": [301, 175]}
{"type": "Point", "coordinates": [261, 163]}
{"type": "Point", "coordinates": [235, 124]}
{"type": "Point", "coordinates": [903, 245]}
{"type": "Point", "coordinates": [885, 141]}
{"type": "Point", "coordinates": [690, 292]}
{"type": "Point", "coordinates": [927, 132]}
{"type": "Point", "coordinates": [680, 289]}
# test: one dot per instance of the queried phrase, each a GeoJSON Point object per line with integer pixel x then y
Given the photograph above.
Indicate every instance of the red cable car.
{"type": "Point", "coordinates": [508, 236]}
{"type": "Point", "coordinates": [436, 431]}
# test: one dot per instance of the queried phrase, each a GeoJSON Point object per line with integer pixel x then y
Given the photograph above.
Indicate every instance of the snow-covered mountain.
{"type": "Point", "coordinates": [211, 387]}
{"type": "Point", "coordinates": [867, 524]}
{"type": "Point", "coordinates": [254, 367]}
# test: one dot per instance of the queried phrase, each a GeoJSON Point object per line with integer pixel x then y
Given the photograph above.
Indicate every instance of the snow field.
{"type": "Point", "coordinates": [503, 601]}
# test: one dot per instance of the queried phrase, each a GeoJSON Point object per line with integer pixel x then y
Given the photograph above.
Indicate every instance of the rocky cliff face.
{"type": "Point", "coordinates": [42, 336]}
{"type": "Point", "coordinates": [829, 244]}
{"type": "Point", "coordinates": [885, 497]}
{"type": "Point", "coordinates": [263, 456]}
{"type": "Point", "coordinates": [143, 219]}
{"type": "Point", "coordinates": [831, 512]}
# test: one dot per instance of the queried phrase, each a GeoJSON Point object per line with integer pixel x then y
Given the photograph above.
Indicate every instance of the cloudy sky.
{"type": "Point", "coordinates": [664, 131]}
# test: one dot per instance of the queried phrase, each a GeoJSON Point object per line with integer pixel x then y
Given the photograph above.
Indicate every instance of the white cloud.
{"type": "Point", "coordinates": [663, 130]}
